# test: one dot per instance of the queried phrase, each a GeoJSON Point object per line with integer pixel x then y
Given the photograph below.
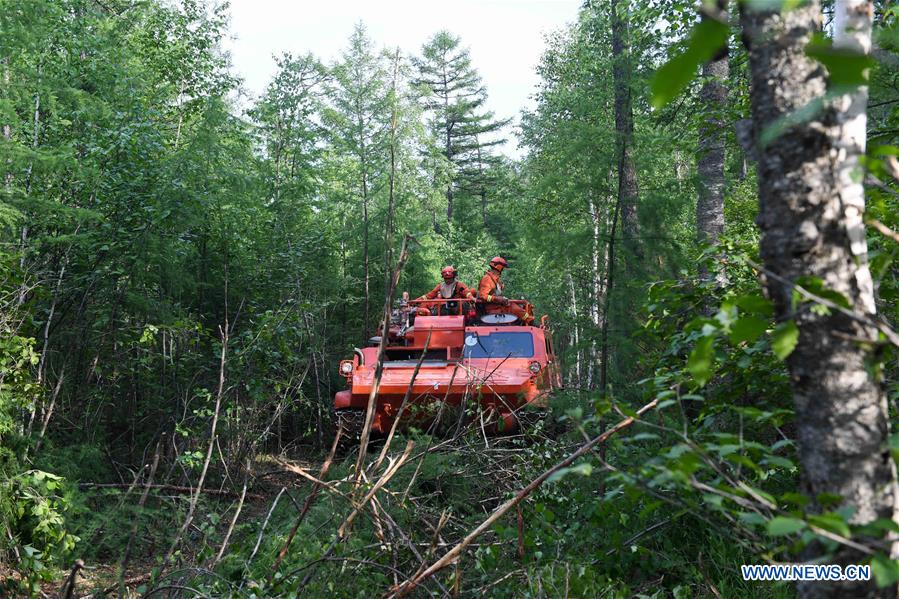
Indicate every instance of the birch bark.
{"type": "Point", "coordinates": [810, 211]}
{"type": "Point", "coordinates": [711, 145]}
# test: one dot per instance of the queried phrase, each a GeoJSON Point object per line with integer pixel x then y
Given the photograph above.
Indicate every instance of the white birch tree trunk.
{"type": "Point", "coordinates": [575, 334]}
{"type": "Point", "coordinates": [596, 278]}
{"type": "Point", "coordinates": [810, 212]}
{"type": "Point", "coordinates": [852, 22]}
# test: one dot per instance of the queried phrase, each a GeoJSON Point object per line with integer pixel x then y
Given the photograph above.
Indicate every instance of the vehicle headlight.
{"type": "Point", "coordinates": [534, 367]}
{"type": "Point", "coordinates": [346, 367]}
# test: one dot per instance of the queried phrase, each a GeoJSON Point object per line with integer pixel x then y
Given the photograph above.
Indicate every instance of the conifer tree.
{"type": "Point", "coordinates": [455, 97]}
{"type": "Point", "coordinates": [359, 120]}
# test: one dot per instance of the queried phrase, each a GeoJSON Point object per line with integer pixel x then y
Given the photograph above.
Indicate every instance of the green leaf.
{"type": "Point", "coordinates": [782, 525]}
{"type": "Point", "coordinates": [894, 446]}
{"type": "Point", "coordinates": [747, 328]}
{"type": "Point", "coordinates": [755, 304]}
{"type": "Point", "coordinates": [797, 499]}
{"type": "Point", "coordinates": [682, 592]}
{"type": "Point", "coordinates": [584, 469]}
{"type": "Point", "coordinates": [751, 518]}
{"type": "Point", "coordinates": [701, 360]}
{"type": "Point", "coordinates": [713, 499]}
{"type": "Point", "coordinates": [627, 410]}
{"type": "Point", "coordinates": [772, 5]}
{"type": "Point", "coordinates": [784, 339]}
{"type": "Point", "coordinates": [847, 69]}
{"type": "Point", "coordinates": [781, 444]}
{"type": "Point", "coordinates": [831, 523]}
{"type": "Point", "coordinates": [705, 39]}
{"type": "Point", "coordinates": [776, 460]}
{"type": "Point", "coordinates": [816, 285]}
{"type": "Point", "coordinates": [828, 499]}
{"type": "Point", "coordinates": [665, 403]}
{"type": "Point", "coordinates": [886, 570]}
{"type": "Point", "coordinates": [884, 524]}
{"type": "Point", "coordinates": [797, 117]}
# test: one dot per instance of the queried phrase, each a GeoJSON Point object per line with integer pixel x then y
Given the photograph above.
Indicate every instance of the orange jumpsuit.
{"type": "Point", "coordinates": [460, 291]}
{"type": "Point", "coordinates": [490, 288]}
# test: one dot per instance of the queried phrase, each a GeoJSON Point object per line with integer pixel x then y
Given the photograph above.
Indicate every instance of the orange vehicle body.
{"type": "Point", "coordinates": [498, 368]}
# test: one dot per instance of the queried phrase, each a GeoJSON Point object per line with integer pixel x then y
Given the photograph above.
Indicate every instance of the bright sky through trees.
{"type": "Point", "coordinates": [506, 37]}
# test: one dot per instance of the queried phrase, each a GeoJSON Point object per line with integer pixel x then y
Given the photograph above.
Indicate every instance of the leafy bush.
{"type": "Point", "coordinates": [33, 506]}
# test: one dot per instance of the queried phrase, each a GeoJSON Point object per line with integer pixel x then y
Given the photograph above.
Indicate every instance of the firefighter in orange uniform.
{"type": "Point", "coordinates": [450, 288]}
{"type": "Point", "coordinates": [490, 289]}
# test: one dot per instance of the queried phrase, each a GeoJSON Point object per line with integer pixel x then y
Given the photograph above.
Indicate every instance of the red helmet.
{"type": "Point", "coordinates": [448, 271]}
{"type": "Point", "coordinates": [499, 260]}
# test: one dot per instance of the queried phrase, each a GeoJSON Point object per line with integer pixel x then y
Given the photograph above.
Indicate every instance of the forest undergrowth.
{"type": "Point", "coordinates": [660, 501]}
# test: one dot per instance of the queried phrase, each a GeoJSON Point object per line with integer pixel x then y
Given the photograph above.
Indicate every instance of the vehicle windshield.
{"type": "Point", "coordinates": [499, 345]}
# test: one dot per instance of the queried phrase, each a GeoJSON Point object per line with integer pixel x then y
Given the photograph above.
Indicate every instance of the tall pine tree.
{"type": "Point", "coordinates": [466, 131]}
{"type": "Point", "coordinates": [359, 120]}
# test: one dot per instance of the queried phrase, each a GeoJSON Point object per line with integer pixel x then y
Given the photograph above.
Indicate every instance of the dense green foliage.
{"type": "Point", "coordinates": [179, 278]}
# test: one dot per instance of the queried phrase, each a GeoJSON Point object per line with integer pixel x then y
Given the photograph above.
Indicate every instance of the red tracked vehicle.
{"type": "Point", "coordinates": [491, 363]}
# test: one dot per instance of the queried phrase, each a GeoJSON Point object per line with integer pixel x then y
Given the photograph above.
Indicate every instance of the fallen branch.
{"type": "Point", "coordinates": [265, 524]}
{"type": "Point", "coordinates": [399, 414]}
{"type": "Point", "coordinates": [237, 511]}
{"type": "Point", "coordinates": [451, 555]}
{"type": "Point", "coordinates": [882, 228]}
{"type": "Point", "coordinates": [379, 365]}
{"type": "Point", "coordinates": [68, 588]}
{"type": "Point", "coordinates": [127, 583]}
{"type": "Point", "coordinates": [123, 566]}
{"type": "Point", "coordinates": [388, 474]}
{"type": "Point", "coordinates": [219, 396]}
{"type": "Point", "coordinates": [316, 487]}
{"type": "Point", "coordinates": [172, 489]}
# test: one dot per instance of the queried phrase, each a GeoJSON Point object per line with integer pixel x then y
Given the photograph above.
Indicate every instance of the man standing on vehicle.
{"type": "Point", "coordinates": [490, 289]}
{"type": "Point", "coordinates": [450, 288]}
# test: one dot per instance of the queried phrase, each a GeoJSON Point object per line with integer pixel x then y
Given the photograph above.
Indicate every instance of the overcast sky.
{"type": "Point", "coordinates": [505, 36]}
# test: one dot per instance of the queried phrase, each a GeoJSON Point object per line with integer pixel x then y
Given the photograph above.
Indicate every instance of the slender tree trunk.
{"type": "Point", "coordinates": [710, 155]}
{"type": "Point", "coordinates": [391, 200]}
{"type": "Point", "coordinates": [449, 145]}
{"type": "Point", "coordinates": [219, 395]}
{"type": "Point", "coordinates": [180, 116]}
{"type": "Point", "coordinates": [607, 301]}
{"type": "Point", "coordinates": [606, 319]}
{"type": "Point", "coordinates": [482, 188]}
{"type": "Point", "coordinates": [810, 217]}
{"type": "Point", "coordinates": [123, 565]}
{"type": "Point", "coordinates": [624, 120]}
{"type": "Point", "coordinates": [596, 278]}
{"type": "Point", "coordinates": [712, 139]}
{"type": "Point", "coordinates": [279, 145]}
{"type": "Point", "coordinates": [449, 185]}
{"type": "Point", "coordinates": [7, 127]}
{"type": "Point", "coordinates": [852, 33]}
{"type": "Point", "coordinates": [343, 276]}
{"type": "Point", "coordinates": [365, 225]}
{"type": "Point", "coordinates": [237, 510]}
{"type": "Point", "coordinates": [35, 133]}
{"type": "Point", "coordinates": [48, 413]}
{"type": "Point", "coordinates": [575, 333]}
{"type": "Point", "coordinates": [379, 365]}
{"type": "Point", "coordinates": [365, 272]}
{"type": "Point", "coordinates": [23, 238]}
{"type": "Point", "coordinates": [679, 165]}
